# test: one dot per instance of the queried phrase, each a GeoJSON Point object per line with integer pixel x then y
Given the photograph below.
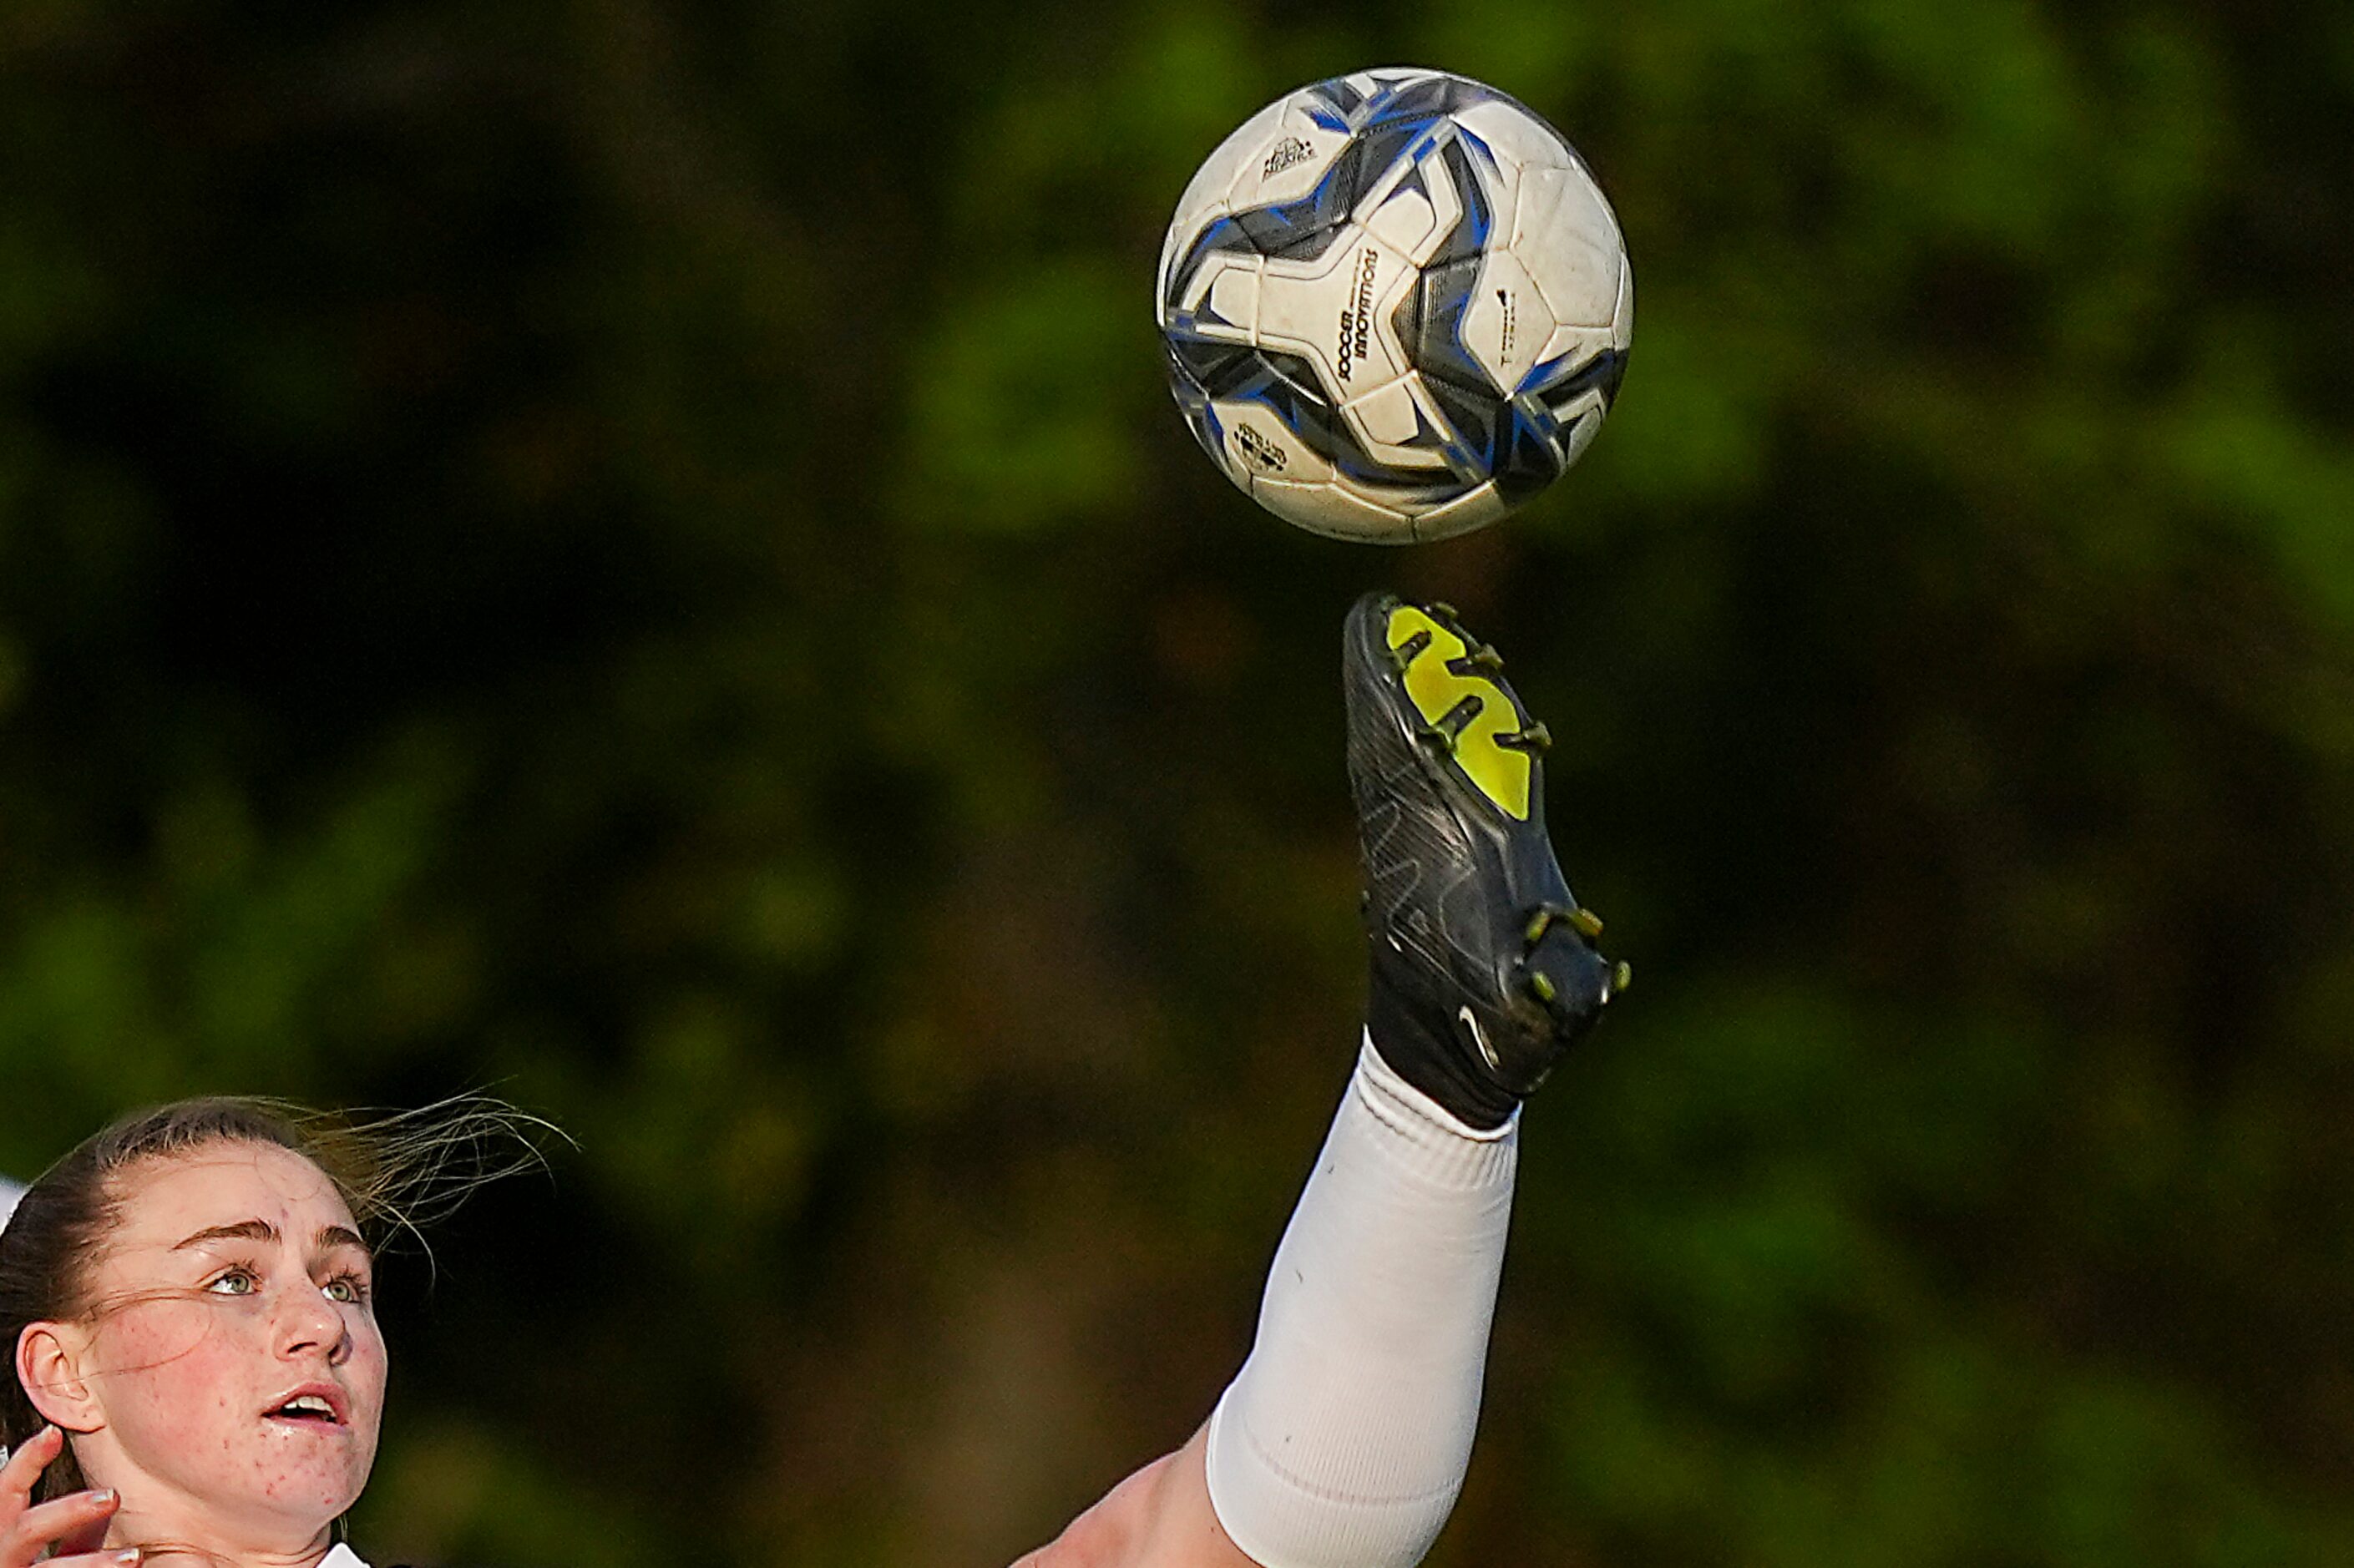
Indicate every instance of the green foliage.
{"type": "Point", "coordinates": [639, 556]}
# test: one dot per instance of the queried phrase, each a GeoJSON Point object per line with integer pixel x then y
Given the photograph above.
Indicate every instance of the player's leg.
{"type": "Point", "coordinates": [1343, 1441]}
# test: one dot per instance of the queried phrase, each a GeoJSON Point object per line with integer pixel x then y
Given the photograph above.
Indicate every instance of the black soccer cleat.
{"type": "Point", "coordinates": [1484, 967]}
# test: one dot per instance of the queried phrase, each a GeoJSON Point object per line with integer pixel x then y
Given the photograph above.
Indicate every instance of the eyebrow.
{"type": "Point", "coordinates": [329, 1237]}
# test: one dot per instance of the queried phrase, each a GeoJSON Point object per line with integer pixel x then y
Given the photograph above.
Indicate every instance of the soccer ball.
{"type": "Point", "coordinates": [1395, 306]}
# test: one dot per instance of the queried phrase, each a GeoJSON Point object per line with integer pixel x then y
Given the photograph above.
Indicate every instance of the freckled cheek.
{"type": "Point", "coordinates": [365, 1374]}
{"type": "Point", "coordinates": [172, 1372]}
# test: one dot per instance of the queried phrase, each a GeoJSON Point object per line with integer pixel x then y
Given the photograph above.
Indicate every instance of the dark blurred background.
{"type": "Point", "coordinates": [639, 555]}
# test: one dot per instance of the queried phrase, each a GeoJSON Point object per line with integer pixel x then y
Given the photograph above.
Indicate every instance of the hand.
{"type": "Point", "coordinates": [73, 1526]}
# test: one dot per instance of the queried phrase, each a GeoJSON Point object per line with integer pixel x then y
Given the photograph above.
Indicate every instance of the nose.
{"type": "Point", "coordinates": [310, 1324]}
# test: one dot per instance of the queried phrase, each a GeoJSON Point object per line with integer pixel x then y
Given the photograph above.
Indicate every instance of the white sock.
{"type": "Point", "coordinates": [1343, 1440]}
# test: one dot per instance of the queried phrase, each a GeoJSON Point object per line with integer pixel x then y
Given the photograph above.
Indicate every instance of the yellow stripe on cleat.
{"type": "Point", "coordinates": [1496, 771]}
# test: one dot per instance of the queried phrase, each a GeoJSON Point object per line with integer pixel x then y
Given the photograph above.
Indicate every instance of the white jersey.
{"type": "Point", "coordinates": [9, 1194]}
{"type": "Point", "coordinates": [342, 1557]}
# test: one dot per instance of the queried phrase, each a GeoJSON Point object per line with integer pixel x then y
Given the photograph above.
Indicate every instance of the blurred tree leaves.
{"type": "Point", "coordinates": [635, 553]}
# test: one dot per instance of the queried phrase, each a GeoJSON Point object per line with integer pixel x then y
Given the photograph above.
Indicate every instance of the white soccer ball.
{"type": "Point", "coordinates": [1396, 305]}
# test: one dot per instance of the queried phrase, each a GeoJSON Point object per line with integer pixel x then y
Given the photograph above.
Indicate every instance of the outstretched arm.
{"type": "Point", "coordinates": [1343, 1440]}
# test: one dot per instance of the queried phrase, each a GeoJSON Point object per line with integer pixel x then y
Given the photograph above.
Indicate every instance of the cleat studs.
{"type": "Point", "coordinates": [1439, 609]}
{"type": "Point", "coordinates": [1585, 922]}
{"type": "Point", "coordinates": [1622, 979]}
{"type": "Point", "coordinates": [1458, 719]}
{"type": "Point", "coordinates": [1535, 738]}
{"type": "Point", "coordinates": [1439, 740]}
{"type": "Point", "coordinates": [1538, 924]}
{"type": "Point", "coordinates": [1481, 661]}
{"type": "Point", "coordinates": [1541, 986]}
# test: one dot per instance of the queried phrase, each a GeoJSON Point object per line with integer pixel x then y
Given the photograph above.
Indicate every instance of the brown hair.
{"type": "Point", "coordinates": [396, 1172]}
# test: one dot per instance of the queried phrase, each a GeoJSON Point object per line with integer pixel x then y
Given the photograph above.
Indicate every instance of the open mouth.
{"type": "Point", "coordinates": [309, 1408]}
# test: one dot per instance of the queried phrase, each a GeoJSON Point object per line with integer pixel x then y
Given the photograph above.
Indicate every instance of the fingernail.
{"type": "Point", "coordinates": [103, 1498]}
{"type": "Point", "coordinates": [129, 1557]}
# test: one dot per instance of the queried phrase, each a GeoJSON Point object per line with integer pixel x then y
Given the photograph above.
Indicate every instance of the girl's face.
{"type": "Point", "coordinates": [233, 1363]}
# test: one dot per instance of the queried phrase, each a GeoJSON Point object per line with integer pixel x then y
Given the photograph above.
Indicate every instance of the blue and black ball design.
{"type": "Point", "coordinates": [1519, 437]}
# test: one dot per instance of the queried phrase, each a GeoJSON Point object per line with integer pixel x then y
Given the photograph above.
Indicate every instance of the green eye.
{"type": "Point", "coordinates": [235, 1282]}
{"type": "Point", "coordinates": [346, 1290]}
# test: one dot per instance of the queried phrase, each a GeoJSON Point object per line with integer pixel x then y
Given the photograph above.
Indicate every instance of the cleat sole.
{"type": "Point", "coordinates": [1483, 750]}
